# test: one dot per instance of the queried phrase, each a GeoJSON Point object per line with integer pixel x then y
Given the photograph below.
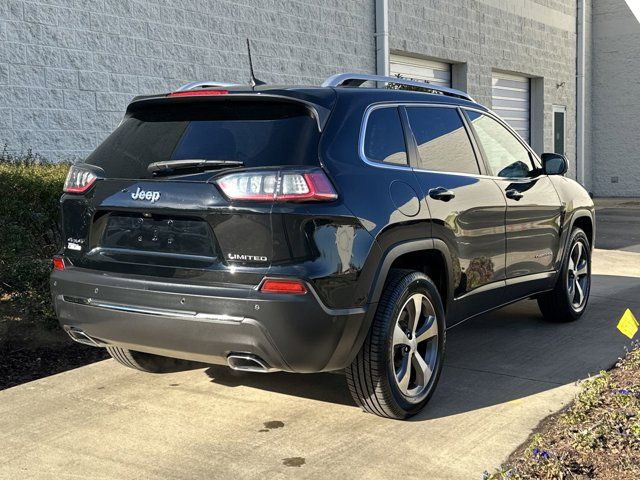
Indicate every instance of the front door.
{"type": "Point", "coordinates": [534, 211]}
{"type": "Point", "coordinates": [467, 209]}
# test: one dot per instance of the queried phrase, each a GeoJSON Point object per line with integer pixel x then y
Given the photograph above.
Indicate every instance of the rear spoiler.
{"type": "Point", "coordinates": [317, 112]}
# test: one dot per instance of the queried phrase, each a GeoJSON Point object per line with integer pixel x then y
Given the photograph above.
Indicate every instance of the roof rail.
{"type": "Point", "coordinates": [198, 85]}
{"type": "Point", "coordinates": [357, 79]}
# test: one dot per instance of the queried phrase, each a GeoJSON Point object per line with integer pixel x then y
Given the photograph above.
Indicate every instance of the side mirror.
{"type": "Point", "coordinates": [554, 164]}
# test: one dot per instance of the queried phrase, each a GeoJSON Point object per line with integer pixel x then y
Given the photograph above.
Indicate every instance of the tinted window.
{"type": "Point", "coordinates": [507, 157]}
{"type": "Point", "coordinates": [258, 134]}
{"type": "Point", "coordinates": [443, 143]}
{"type": "Point", "coordinates": [558, 132]}
{"type": "Point", "coordinates": [384, 138]}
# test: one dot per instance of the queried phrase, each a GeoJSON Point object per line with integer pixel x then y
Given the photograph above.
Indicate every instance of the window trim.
{"type": "Point", "coordinates": [462, 108]}
{"type": "Point", "coordinates": [363, 132]}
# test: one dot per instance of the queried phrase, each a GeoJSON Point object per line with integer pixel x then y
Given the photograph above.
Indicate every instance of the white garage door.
{"type": "Point", "coordinates": [511, 100]}
{"type": "Point", "coordinates": [438, 73]}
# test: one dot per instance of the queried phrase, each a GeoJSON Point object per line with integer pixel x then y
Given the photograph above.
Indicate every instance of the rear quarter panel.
{"type": "Point", "coordinates": [366, 190]}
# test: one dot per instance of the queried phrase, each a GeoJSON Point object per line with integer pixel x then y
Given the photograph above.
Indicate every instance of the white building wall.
{"type": "Point", "coordinates": [615, 100]}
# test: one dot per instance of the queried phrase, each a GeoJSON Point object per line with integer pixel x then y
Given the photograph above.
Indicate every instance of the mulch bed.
{"type": "Point", "coordinates": [596, 437]}
{"type": "Point", "coordinates": [31, 349]}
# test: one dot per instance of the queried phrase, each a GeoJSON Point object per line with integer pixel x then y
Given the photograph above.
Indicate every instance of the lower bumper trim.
{"type": "Point", "coordinates": [182, 314]}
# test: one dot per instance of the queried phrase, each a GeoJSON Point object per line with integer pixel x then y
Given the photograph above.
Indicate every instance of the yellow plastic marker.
{"type": "Point", "coordinates": [628, 324]}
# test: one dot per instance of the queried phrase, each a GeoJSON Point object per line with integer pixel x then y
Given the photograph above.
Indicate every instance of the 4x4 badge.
{"type": "Point", "coordinates": [150, 195]}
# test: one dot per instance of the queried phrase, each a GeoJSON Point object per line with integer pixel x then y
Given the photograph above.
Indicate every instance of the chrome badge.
{"type": "Point", "coordinates": [246, 258]}
{"type": "Point", "coordinates": [148, 195]}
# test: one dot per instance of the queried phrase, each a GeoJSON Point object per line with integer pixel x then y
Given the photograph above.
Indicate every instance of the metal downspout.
{"type": "Point", "coordinates": [382, 37]}
{"type": "Point", "coordinates": [580, 92]}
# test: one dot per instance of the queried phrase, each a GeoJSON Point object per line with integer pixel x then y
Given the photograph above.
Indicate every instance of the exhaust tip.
{"type": "Point", "coordinates": [245, 362]}
{"type": "Point", "coordinates": [79, 336]}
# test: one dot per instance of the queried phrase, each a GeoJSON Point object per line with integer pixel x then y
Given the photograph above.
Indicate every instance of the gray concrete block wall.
{"type": "Point", "coordinates": [69, 67]}
{"type": "Point", "coordinates": [615, 100]}
{"type": "Point", "coordinates": [505, 35]}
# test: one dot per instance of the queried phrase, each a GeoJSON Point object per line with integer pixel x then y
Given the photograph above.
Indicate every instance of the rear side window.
{"type": "Point", "coordinates": [443, 143]}
{"type": "Point", "coordinates": [384, 137]}
{"type": "Point", "coordinates": [507, 157]}
{"type": "Point", "coordinates": [259, 134]}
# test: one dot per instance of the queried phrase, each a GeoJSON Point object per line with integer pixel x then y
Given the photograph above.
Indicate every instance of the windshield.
{"type": "Point", "coordinates": [258, 134]}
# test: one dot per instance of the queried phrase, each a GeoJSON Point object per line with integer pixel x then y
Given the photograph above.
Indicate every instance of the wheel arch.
{"type": "Point", "coordinates": [430, 256]}
{"type": "Point", "coordinates": [394, 256]}
{"type": "Point", "coordinates": [584, 220]}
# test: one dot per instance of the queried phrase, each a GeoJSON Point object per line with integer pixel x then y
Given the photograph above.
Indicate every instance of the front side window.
{"type": "Point", "coordinates": [384, 137]}
{"type": "Point", "coordinates": [443, 143]}
{"type": "Point", "coordinates": [507, 157]}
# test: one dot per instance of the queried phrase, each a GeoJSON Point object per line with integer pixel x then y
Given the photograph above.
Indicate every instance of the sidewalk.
{"type": "Point", "coordinates": [617, 202]}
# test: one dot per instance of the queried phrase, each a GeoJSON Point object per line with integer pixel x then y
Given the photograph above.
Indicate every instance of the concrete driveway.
{"type": "Point", "coordinates": [504, 373]}
{"type": "Point", "coordinates": [618, 223]}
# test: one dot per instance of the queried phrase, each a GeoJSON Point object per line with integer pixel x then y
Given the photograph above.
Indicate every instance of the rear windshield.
{"type": "Point", "coordinates": [258, 134]}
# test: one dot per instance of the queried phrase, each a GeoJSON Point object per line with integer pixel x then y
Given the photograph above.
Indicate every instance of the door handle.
{"type": "Point", "coordinates": [514, 194]}
{"type": "Point", "coordinates": [441, 193]}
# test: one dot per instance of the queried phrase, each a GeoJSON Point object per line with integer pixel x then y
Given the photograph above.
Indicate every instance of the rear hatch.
{"type": "Point", "coordinates": [157, 207]}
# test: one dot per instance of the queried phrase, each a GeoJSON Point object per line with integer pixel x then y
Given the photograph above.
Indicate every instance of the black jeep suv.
{"type": "Point", "coordinates": [314, 229]}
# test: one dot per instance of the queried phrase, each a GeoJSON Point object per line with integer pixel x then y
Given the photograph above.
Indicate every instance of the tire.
{"type": "Point", "coordinates": [377, 378]}
{"type": "Point", "coordinates": [149, 363]}
{"type": "Point", "coordinates": [568, 300]}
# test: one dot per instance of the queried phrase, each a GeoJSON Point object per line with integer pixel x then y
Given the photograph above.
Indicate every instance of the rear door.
{"type": "Point", "coordinates": [180, 223]}
{"type": "Point", "coordinates": [534, 211]}
{"type": "Point", "coordinates": [467, 209]}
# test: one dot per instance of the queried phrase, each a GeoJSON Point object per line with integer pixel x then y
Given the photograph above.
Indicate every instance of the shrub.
{"type": "Point", "coordinates": [29, 233]}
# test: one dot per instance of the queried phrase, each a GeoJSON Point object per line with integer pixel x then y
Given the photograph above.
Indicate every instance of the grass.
{"type": "Point", "coordinates": [598, 436]}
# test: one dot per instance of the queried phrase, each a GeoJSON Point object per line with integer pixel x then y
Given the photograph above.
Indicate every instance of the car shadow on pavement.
{"type": "Point", "coordinates": [495, 358]}
{"type": "Point", "coordinates": [325, 387]}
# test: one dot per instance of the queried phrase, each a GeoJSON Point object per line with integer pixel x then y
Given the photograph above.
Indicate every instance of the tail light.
{"type": "Point", "coordinates": [79, 179]}
{"type": "Point", "coordinates": [58, 263]}
{"type": "Point", "coordinates": [283, 286]}
{"type": "Point", "coordinates": [198, 93]}
{"type": "Point", "coordinates": [279, 186]}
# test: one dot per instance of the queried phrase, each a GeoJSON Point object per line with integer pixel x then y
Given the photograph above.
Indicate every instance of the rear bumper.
{"type": "Point", "coordinates": [294, 333]}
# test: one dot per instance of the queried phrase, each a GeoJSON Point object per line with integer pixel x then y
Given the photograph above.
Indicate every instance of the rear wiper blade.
{"type": "Point", "coordinates": [169, 166]}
